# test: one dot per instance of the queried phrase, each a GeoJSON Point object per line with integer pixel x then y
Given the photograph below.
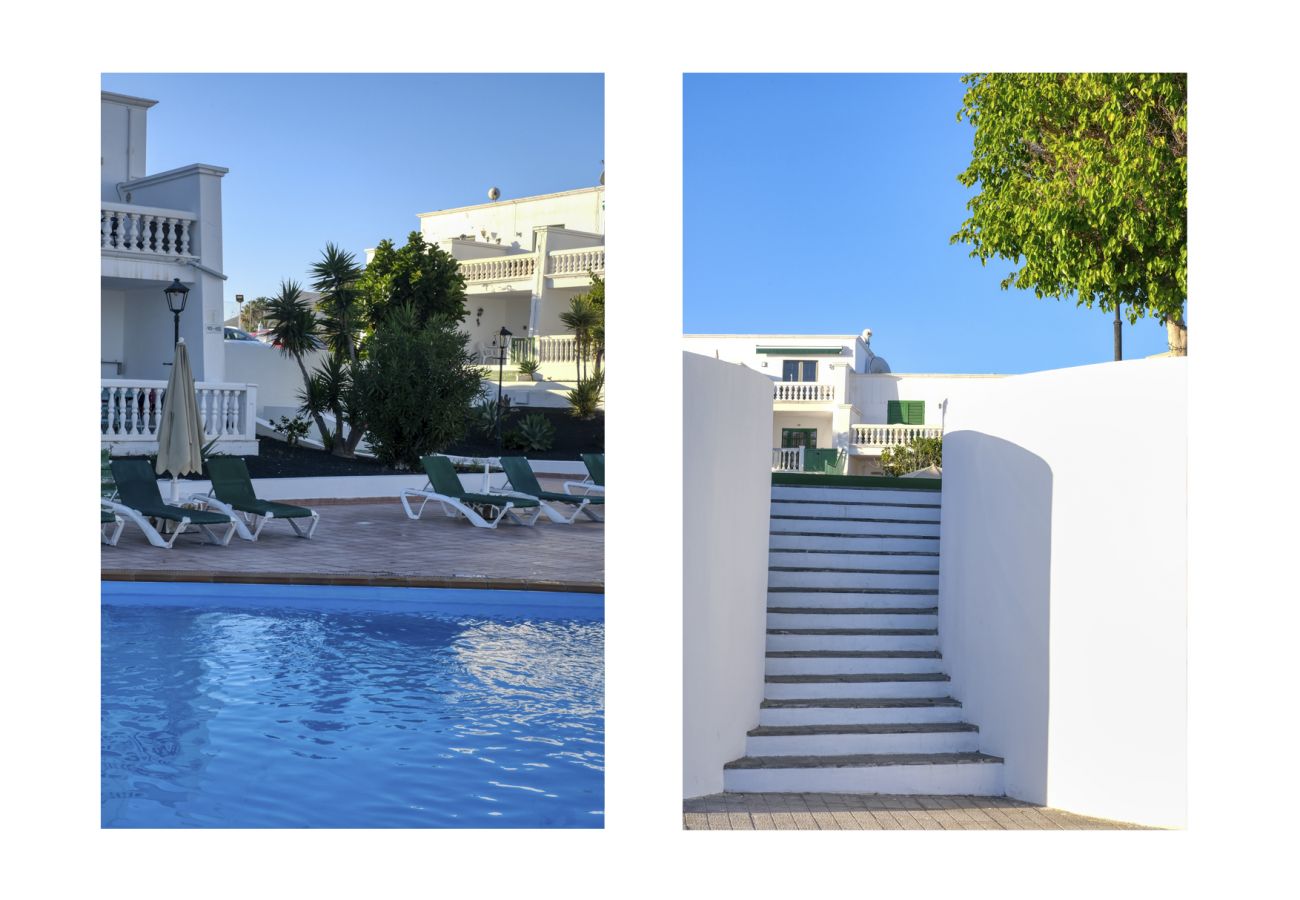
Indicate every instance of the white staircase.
{"type": "Point", "coordinates": [857, 700]}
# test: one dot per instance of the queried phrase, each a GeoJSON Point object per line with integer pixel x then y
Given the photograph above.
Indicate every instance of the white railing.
{"type": "Point", "coordinates": [131, 410]}
{"type": "Point", "coordinates": [550, 348]}
{"type": "Point", "coordinates": [801, 391]}
{"type": "Point", "coordinates": [892, 435]}
{"type": "Point", "coordinates": [579, 261]}
{"type": "Point", "coordinates": [499, 268]}
{"type": "Point", "coordinates": [146, 230]}
{"type": "Point", "coordinates": [787, 459]}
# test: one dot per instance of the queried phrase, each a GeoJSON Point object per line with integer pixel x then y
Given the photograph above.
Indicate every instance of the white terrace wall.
{"type": "Point", "coordinates": [726, 484]}
{"type": "Point", "coordinates": [1063, 583]}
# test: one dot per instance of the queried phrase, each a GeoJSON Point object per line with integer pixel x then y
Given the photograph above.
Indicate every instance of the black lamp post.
{"type": "Point", "coordinates": [176, 295]}
{"type": "Point", "coordinates": [501, 375]}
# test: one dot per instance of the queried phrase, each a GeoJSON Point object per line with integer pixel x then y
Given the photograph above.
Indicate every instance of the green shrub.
{"type": "Point", "coordinates": [536, 433]}
{"type": "Point", "coordinates": [584, 400]}
{"type": "Point", "coordinates": [529, 367]}
{"type": "Point", "coordinates": [484, 413]}
{"type": "Point", "coordinates": [414, 387]}
{"type": "Point", "coordinates": [918, 453]}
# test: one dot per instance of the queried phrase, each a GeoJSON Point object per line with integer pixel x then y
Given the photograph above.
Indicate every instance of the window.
{"type": "Point", "coordinates": [798, 437]}
{"type": "Point", "coordinates": [906, 412]}
{"type": "Point", "coordinates": [799, 370]}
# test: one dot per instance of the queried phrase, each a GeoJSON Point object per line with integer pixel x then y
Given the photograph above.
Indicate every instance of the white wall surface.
{"type": "Point", "coordinates": [1063, 583]}
{"type": "Point", "coordinates": [871, 394]}
{"type": "Point", "coordinates": [726, 475]}
{"type": "Point", "coordinates": [513, 221]}
{"type": "Point", "coordinates": [278, 378]}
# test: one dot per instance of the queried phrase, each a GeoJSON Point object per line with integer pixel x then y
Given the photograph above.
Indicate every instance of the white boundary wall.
{"type": "Point", "coordinates": [1063, 585]}
{"type": "Point", "coordinates": [726, 485]}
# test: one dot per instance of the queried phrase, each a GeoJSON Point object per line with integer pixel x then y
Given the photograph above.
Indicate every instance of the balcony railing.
{"type": "Point", "coordinates": [787, 459]}
{"type": "Point", "coordinates": [498, 268]}
{"type": "Point", "coordinates": [802, 391]}
{"type": "Point", "coordinates": [130, 411]}
{"type": "Point", "coordinates": [892, 435]}
{"type": "Point", "coordinates": [578, 261]}
{"type": "Point", "coordinates": [553, 348]}
{"type": "Point", "coordinates": [146, 230]}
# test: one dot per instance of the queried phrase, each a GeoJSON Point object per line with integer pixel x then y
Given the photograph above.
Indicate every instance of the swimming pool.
{"type": "Point", "coordinates": [321, 706]}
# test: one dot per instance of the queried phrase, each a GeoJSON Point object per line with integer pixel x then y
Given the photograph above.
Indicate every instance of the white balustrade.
{"type": "Point", "coordinates": [787, 459]}
{"type": "Point", "coordinates": [130, 411]}
{"type": "Point", "coordinates": [146, 230]}
{"type": "Point", "coordinates": [892, 435]}
{"type": "Point", "coordinates": [579, 261]}
{"type": "Point", "coordinates": [499, 268]}
{"type": "Point", "coordinates": [803, 391]}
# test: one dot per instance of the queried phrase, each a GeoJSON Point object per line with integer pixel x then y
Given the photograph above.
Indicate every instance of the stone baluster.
{"type": "Point", "coordinates": [185, 228]}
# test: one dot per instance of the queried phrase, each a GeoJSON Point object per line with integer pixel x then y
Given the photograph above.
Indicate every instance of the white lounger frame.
{"type": "Point", "coordinates": [582, 504]}
{"type": "Point", "coordinates": [155, 538]}
{"type": "Point", "coordinates": [454, 506]}
{"type": "Point", "coordinates": [243, 520]}
{"type": "Point", "coordinates": [116, 525]}
{"type": "Point", "coordinates": [588, 487]}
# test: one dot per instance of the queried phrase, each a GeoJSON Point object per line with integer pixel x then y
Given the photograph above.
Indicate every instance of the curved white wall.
{"type": "Point", "coordinates": [1063, 583]}
{"type": "Point", "coordinates": [277, 376]}
{"type": "Point", "coordinates": [727, 489]}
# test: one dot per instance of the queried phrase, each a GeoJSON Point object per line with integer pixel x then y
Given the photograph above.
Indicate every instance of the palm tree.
{"type": "Point", "coordinates": [294, 331]}
{"type": "Point", "coordinates": [581, 319]}
{"type": "Point", "coordinates": [336, 277]}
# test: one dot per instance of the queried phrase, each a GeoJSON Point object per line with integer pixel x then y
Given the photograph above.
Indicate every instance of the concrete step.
{"type": "Point", "coordinates": [869, 684]}
{"type": "Point", "coordinates": [851, 617]}
{"type": "Point", "coordinates": [902, 579]}
{"type": "Point", "coordinates": [829, 559]}
{"type": "Point", "coordinates": [824, 598]}
{"type": "Point", "coordinates": [975, 774]}
{"type": "Point", "coordinates": [859, 711]}
{"type": "Point", "coordinates": [804, 524]}
{"type": "Point", "coordinates": [833, 662]}
{"type": "Point", "coordinates": [852, 639]}
{"type": "Point", "coordinates": [857, 495]}
{"type": "Point", "coordinates": [784, 539]}
{"type": "Point", "coordinates": [848, 740]}
{"type": "Point", "coordinates": [834, 510]}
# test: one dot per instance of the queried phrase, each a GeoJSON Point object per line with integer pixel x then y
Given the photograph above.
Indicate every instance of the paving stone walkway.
{"type": "Point", "coordinates": [375, 543]}
{"type": "Point", "coordinates": [878, 812]}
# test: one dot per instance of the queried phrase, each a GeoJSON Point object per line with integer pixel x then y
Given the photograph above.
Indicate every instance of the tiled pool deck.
{"type": "Point", "coordinates": [879, 812]}
{"type": "Point", "coordinates": [374, 543]}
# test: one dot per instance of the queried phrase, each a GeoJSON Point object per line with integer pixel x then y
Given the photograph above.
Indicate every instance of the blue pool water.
{"type": "Point", "coordinates": [306, 706]}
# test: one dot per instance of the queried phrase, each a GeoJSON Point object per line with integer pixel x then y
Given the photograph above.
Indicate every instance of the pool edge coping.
{"type": "Point", "coordinates": [414, 581]}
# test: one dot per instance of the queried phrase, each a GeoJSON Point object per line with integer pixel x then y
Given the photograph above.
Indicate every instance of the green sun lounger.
{"type": "Point", "coordinates": [110, 525]}
{"type": "Point", "coordinates": [523, 482]}
{"type": "Point", "coordinates": [139, 500]}
{"type": "Point", "coordinates": [232, 493]}
{"type": "Point", "coordinates": [444, 487]}
{"type": "Point", "coordinates": [595, 482]}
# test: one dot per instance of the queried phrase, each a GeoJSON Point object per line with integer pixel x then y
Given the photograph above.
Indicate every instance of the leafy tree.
{"type": "Point", "coordinates": [418, 274]}
{"type": "Point", "coordinates": [253, 313]}
{"type": "Point", "coordinates": [597, 295]}
{"type": "Point", "coordinates": [1083, 184]}
{"type": "Point", "coordinates": [416, 384]}
{"type": "Point", "coordinates": [294, 332]}
{"type": "Point", "coordinates": [918, 453]}
{"type": "Point", "coordinates": [342, 324]}
{"type": "Point", "coordinates": [582, 318]}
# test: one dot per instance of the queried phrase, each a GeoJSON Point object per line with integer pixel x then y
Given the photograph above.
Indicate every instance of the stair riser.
{"type": "Point", "coordinates": [854, 511]}
{"type": "Point", "coordinates": [856, 495]}
{"type": "Point", "coordinates": [910, 581]}
{"type": "Point", "coordinates": [860, 620]}
{"type": "Point", "coordinates": [978, 779]}
{"type": "Point", "coordinates": [852, 642]}
{"type": "Point", "coordinates": [800, 691]}
{"type": "Point", "coordinates": [852, 600]}
{"type": "Point", "coordinates": [839, 665]}
{"type": "Point", "coordinates": [830, 715]}
{"type": "Point", "coordinates": [845, 542]}
{"type": "Point", "coordinates": [835, 527]}
{"type": "Point", "coordinates": [846, 744]}
{"type": "Point", "coordinates": [850, 560]}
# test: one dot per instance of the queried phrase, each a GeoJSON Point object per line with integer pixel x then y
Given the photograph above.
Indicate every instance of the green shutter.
{"type": "Point", "coordinates": [905, 412]}
{"type": "Point", "coordinates": [915, 412]}
{"type": "Point", "coordinates": [894, 414]}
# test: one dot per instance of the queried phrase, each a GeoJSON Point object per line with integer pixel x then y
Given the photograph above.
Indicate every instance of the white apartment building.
{"type": "Point", "coordinates": [836, 405]}
{"type": "Point", "coordinates": [154, 229]}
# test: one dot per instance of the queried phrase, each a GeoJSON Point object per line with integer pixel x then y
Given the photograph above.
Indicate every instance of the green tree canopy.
{"type": "Point", "coordinates": [418, 275]}
{"type": "Point", "coordinates": [1082, 183]}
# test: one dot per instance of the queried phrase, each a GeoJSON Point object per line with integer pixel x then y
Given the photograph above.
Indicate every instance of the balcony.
{"type": "Point", "coordinates": [580, 261]}
{"type": "Point", "coordinates": [878, 437]}
{"type": "Point", "coordinates": [803, 392]}
{"type": "Point", "coordinates": [498, 268]}
{"type": "Point", "coordinates": [146, 232]}
{"type": "Point", "coordinates": [130, 412]}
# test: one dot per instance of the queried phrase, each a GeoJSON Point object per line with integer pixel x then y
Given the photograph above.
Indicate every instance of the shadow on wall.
{"type": "Point", "coordinates": [994, 590]}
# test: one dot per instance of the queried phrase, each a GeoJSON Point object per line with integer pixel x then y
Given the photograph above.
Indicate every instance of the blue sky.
{"type": "Point", "coordinates": [354, 158]}
{"type": "Point", "coordinates": [823, 204]}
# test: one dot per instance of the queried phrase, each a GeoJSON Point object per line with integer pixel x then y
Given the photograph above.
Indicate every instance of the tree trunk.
{"type": "Point", "coordinates": [1119, 336]}
{"type": "Point", "coordinates": [355, 434]}
{"type": "Point", "coordinates": [1177, 330]}
{"type": "Point", "coordinates": [341, 447]}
